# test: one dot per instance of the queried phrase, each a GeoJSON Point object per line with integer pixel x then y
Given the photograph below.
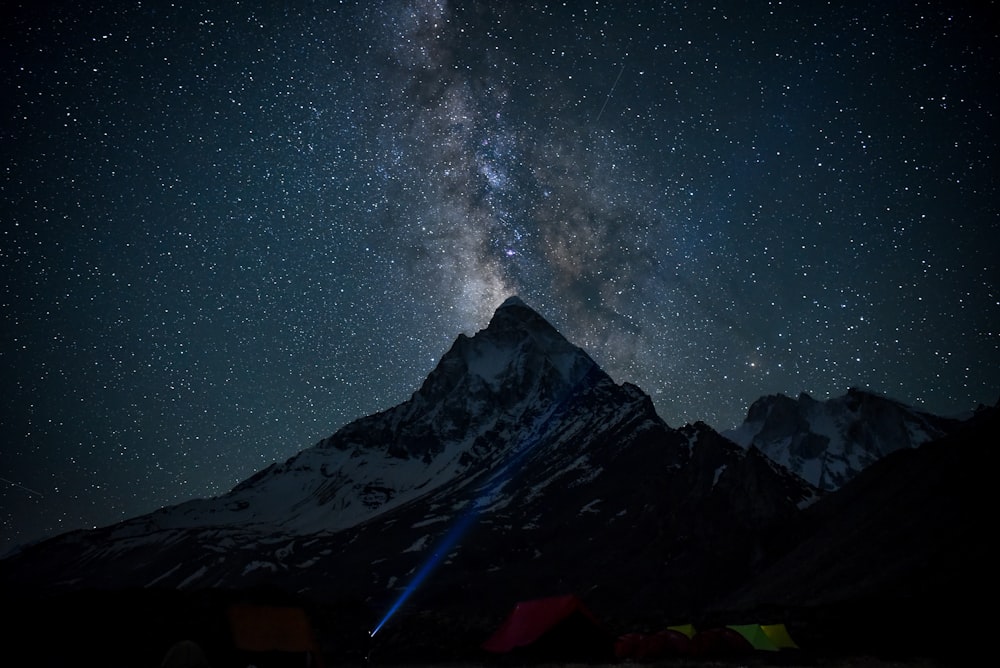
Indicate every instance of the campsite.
{"type": "Point", "coordinates": [266, 629]}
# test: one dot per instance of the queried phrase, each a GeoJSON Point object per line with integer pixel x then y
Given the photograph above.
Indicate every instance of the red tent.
{"type": "Point", "coordinates": [630, 646]}
{"type": "Point", "coordinates": [558, 627]}
{"type": "Point", "coordinates": [652, 647]}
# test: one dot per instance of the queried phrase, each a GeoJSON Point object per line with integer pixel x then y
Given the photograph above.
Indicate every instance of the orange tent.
{"type": "Point", "coordinates": [262, 629]}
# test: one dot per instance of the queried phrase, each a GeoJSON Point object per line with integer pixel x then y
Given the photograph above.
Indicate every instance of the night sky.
{"type": "Point", "coordinates": [229, 229]}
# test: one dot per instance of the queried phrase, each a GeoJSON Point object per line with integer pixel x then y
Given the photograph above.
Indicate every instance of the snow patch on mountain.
{"type": "Point", "coordinates": [258, 565]}
{"type": "Point", "coordinates": [192, 579]}
{"type": "Point", "coordinates": [718, 474]}
{"type": "Point", "coordinates": [429, 521]}
{"type": "Point", "coordinates": [155, 581]}
{"type": "Point", "coordinates": [590, 507]}
{"type": "Point", "coordinates": [419, 545]}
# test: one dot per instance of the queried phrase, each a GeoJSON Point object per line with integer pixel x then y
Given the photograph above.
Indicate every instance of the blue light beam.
{"type": "Point", "coordinates": [466, 520]}
{"type": "Point", "coordinates": [442, 549]}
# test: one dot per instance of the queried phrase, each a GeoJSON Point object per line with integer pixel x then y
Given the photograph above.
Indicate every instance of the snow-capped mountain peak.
{"type": "Point", "coordinates": [515, 332]}
{"type": "Point", "coordinates": [829, 442]}
{"type": "Point", "coordinates": [485, 390]}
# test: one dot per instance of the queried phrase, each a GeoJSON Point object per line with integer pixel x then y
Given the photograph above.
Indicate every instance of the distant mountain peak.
{"type": "Point", "coordinates": [829, 442]}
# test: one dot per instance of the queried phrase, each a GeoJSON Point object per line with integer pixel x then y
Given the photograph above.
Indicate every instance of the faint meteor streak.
{"type": "Point", "coordinates": [610, 92]}
{"type": "Point", "coordinates": [26, 489]}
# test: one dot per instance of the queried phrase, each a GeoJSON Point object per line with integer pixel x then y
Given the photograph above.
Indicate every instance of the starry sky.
{"type": "Point", "coordinates": [229, 229]}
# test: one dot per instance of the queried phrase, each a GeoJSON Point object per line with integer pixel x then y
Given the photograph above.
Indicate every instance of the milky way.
{"type": "Point", "coordinates": [229, 231]}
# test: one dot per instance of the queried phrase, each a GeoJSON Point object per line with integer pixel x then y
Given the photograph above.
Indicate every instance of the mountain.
{"type": "Point", "coordinates": [902, 543]}
{"type": "Point", "coordinates": [518, 469]}
{"type": "Point", "coordinates": [829, 442]}
{"type": "Point", "coordinates": [516, 431]}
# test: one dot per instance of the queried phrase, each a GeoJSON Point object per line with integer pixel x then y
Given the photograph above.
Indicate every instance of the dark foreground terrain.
{"type": "Point", "coordinates": [747, 662]}
{"type": "Point", "coordinates": [136, 629]}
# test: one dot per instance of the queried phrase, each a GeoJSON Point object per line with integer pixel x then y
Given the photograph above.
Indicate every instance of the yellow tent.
{"type": "Point", "coordinates": [779, 636]}
{"type": "Point", "coordinates": [755, 636]}
{"type": "Point", "coordinates": [686, 629]}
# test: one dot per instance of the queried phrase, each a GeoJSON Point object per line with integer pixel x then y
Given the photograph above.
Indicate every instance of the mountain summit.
{"type": "Point", "coordinates": [485, 396]}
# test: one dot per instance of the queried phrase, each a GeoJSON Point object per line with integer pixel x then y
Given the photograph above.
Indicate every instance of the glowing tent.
{"type": "Point", "coordinates": [755, 636]}
{"type": "Point", "coordinates": [779, 636]}
{"type": "Point", "coordinates": [686, 629]}
{"type": "Point", "coordinates": [652, 647]}
{"type": "Point", "coordinates": [273, 635]}
{"type": "Point", "coordinates": [554, 628]}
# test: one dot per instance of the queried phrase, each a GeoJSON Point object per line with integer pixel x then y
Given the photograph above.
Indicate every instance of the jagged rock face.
{"type": "Point", "coordinates": [745, 478]}
{"type": "Point", "coordinates": [510, 409]}
{"type": "Point", "coordinates": [828, 443]}
{"type": "Point", "coordinates": [489, 393]}
{"type": "Point", "coordinates": [506, 375]}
